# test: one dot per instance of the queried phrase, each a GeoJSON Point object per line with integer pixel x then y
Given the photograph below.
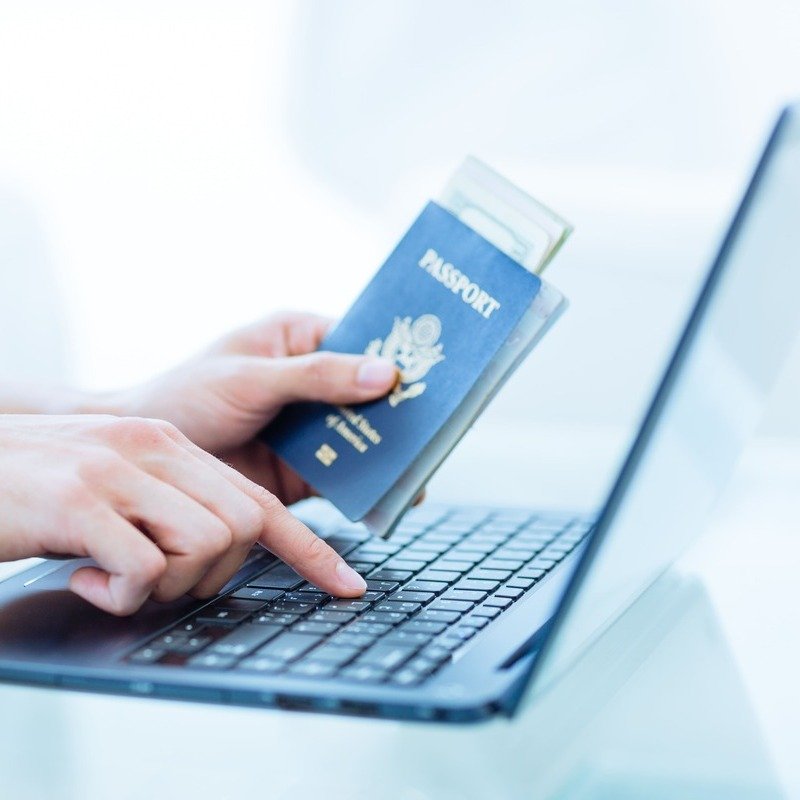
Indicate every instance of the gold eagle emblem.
{"type": "Point", "coordinates": [415, 349]}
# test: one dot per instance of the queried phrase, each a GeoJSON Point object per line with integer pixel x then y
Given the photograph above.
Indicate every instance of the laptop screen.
{"type": "Point", "coordinates": [707, 405]}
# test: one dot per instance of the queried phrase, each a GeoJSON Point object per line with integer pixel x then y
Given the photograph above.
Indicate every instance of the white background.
{"type": "Point", "coordinates": [169, 170]}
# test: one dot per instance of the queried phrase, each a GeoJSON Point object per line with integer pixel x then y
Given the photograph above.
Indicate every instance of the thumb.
{"type": "Point", "coordinates": [327, 377]}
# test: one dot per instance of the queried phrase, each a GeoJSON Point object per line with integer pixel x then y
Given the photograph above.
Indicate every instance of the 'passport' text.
{"type": "Point", "coordinates": [458, 283]}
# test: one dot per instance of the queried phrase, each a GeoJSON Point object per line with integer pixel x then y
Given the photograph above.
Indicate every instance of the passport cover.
{"type": "Point", "coordinates": [440, 307]}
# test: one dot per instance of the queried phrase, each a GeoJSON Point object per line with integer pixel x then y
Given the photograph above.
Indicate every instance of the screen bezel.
{"type": "Point", "coordinates": [534, 678]}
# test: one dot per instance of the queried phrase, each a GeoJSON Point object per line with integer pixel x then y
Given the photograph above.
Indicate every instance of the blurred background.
{"type": "Point", "coordinates": [170, 170]}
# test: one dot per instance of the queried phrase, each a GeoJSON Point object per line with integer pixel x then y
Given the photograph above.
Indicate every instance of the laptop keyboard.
{"type": "Point", "coordinates": [443, 576]}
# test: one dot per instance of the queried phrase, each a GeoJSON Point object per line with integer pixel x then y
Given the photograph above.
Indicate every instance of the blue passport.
{"type": "Point", "coordinates": [441, 306]}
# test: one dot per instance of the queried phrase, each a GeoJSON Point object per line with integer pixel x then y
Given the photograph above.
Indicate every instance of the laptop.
{"type": "Point", "coordinates": [468, 610]}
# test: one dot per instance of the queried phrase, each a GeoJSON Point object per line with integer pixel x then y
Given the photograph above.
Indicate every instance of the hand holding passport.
{"type": "Point", "coordinates": [457, 306]}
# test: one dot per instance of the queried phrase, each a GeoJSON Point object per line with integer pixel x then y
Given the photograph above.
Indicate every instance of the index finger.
{"type": "Point", "coordinates": [289, 539]}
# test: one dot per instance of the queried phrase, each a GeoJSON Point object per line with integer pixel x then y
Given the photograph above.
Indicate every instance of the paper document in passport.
{"type": "Point", "coordinates": [441, 307]}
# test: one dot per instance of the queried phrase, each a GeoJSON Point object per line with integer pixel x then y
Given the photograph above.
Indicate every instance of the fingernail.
{"type": "Point", "coordinates": [378, 373]}
{"type": "Point", "coordinates": [350, 579]}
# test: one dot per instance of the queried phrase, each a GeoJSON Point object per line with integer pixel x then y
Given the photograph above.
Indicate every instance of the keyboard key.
{"type": "Point", "coordinates": [381, 586]}
{"type": "Point", "coordinates": [211, 661]}
{"type": "Point", "coordinates": [470, 585]}
{"type": "Point", "coordinates": [322, 628]}
{"type": "Point", "coordinates": [503, 560]}
{"type": "Point", "coordinates": [426, 546]}
{"type": "Point", "coordinates": [376, 547]}
{"type": "Point", "coordinates": [424, 627]}
{"type": "Point", "coordinates": [520, 583]}
{"type": "Point", "coordinates": [497, 575]}
{"type": "Point", "coordinates": [463, 594]}
{"type": "Point", "coordinates": [473, 548]}
{"type": "Point", "coordinates": [193, 626]}
{"type": "Point", "coordinates": [406, 677]}
{"type": "Point", "coordinates": [303, 595]}
{"type": "Point", "coordinates": [459, 634]}
{"type": "Point", "coordinates": [413, 555]}
{"type": "Point", "coordinates": [221, 616]}
{"type": "Point", "coordinates": [289, 646]}
{"type": "Point", "coordinates": [541, 563]}
{"type": "Point", "coordinates": [391, 575]}
{"type": "Point", "coordinates": [238, 604]}
{"type": "Point", "coordinates": [405, 596]}
{"type": "Point", "coordinates": [347, 639]}
{"type": "Point", "coordinates": [342, 544]}
{"type": "Point", "coordinates": [452, 566]}
{"type": "Point", "coordinates": [386, 656]}
{"type": "Point", "coordinates": [383, 617]}
{"type": "Point", "coordinates": [406, 566]}
{"type": "Point", "coordinates": [431, 615]}
{"type": "Point", "coordinates": [486, 611]}
{"type": "Point", "coordinates": [365, 673]}
{"type": "Point", "coordinates": [450, 605]}
{"type": "Point", "coordinates": [435, 653]}
{"type": "Point", "coordinates": [368, 628]}
{"type": "Point", "coordinates": [168, 641]}
{"type": "Point", "coordinates": [435, 587]}
{"type": "Point", "coordinates": [147, 655]}
{"type": "Point", "coordinates": [269, 618]}
{"type": "Point", "coordinates": [256, 593]}
{"type": "Point", "coordinates": [373, 558]}
{"type": "Point", "coordinates": [499, 562]}
{"type": "Point", "coordinates": [422, 666]}
{"type": "Point", "coordinates": [460, 557]}
{"type": "Point", "coordinates": [371, 597]}
{"type": "Point", "coordinates": [400, 608]}
{"type": "Point", "coordinates": [530, 573]}
{"type": "Point", "coordinates": [523, 554]}
{"type": "Point", "coordinates": [263, 665]}
{"type": "Point", "coordinates": [330, 615]}
{"type": "Point", "coordinates": [245, 639]}
{"type": "Point", "coordinates": [498, 602]}
{"type": "Point", "coordinates": [336, 655]}
{"type": "Point", "coordinates": [475, 622]}
{"type": "Point", "coordinates": [403, 637]}
{"type": "Point", "coordinates": [290, 607]}
{"type": "Point", "coordinates": [363, 567]}
{"type": "Point", "coordinates": [510, 592]}
{"type": "Point", "coordinates": [354, 606]}
{"type": "Point", "coordinates": [313, 669]}
{"type": "Point", "coordinates": [279, 581]}
{"type": "Point", "coordinates": [445, 537]}
{"type": "Point", "coordinates": [192, 645]}
{"type": "Point", "coordinates": [439, 576]}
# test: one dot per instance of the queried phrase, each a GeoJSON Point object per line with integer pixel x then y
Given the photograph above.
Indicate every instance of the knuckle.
{"type": "Point", "coordinates": [268, 502]}
{"type": "Point", "coordinates": [250, 522]}
{"type": "Point", "coordinates": [138, 432]}
{"type": "Point", "coordinates": [100, 465]}
{"type": "Point", "coordinates": [283, 316]}
{"type": "Point", "coordinates": [219, 536]}
{"type": "Point", "coordinates": [151, 566]}
{"type": "Point", "coordinates": [72, 494]}
{"type": "Point", "coordinates": [320, 371]}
